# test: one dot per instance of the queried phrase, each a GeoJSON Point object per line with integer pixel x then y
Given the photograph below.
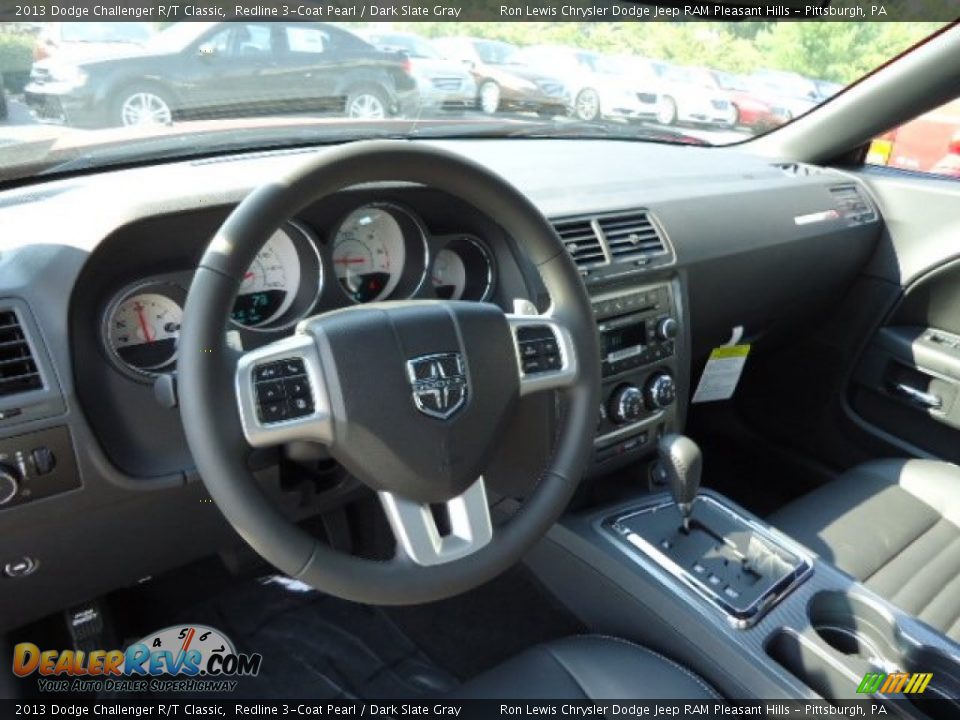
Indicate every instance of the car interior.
{"type": "Point", "coordinates": [599, 419]}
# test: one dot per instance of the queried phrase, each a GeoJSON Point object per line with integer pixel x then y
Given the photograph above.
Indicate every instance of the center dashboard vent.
{"type": "Point", "coordinates": [580, 237]}
{"type": "Point", "coordinates": [631, 236]}
{"type": "Point", "coordinates": [18, 367]}
{"type": "Point", "coordinates": [614, 243]}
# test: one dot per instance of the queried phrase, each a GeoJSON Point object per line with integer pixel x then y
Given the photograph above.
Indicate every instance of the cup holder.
{"type": "Point", "coordinates": [852, 626]}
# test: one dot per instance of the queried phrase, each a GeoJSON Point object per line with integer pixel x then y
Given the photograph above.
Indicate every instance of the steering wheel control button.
{"type": "Point", "coordinates": [299, 407]}
{"type": "Point", "coordinates": [296, 388]}
{"type": "Point", "coordinates": [539, 349]}
{"type": "Point", "coordinates": [273, 412]}
{"type": "Point", "coordinates": [270, 371]}
{"type": "Point", "coordinates": [292, 367]}
{"type": "Point", "coordinates": [282, 390]}
{"type": "Point", "coordinates": [269, 392]}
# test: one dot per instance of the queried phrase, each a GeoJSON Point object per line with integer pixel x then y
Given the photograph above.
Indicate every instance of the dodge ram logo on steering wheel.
{"type": "Point", "coordinates": [439, 384]}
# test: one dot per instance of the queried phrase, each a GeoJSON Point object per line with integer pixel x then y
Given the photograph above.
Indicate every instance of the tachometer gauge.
{"type": "Point", "coordinates": [449, 275]}
{"type": "Point", "coordinates": [369, 252]}
{"type": "Point", "coordinates": [462, 270]}
{"type": "Point", "coordinates": [142, 330]}
{"type": "Point", "coordinates": [270, 284]}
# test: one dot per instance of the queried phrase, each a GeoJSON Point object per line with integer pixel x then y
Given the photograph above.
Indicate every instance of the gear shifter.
{"type": "Point", "coordinates": [681, 462]}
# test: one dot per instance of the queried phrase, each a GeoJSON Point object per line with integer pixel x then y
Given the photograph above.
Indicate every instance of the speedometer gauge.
{"type": "Point", "coordinates": [142, 330]}
{"type": "Point", "coordinates": [369, 251]}
{"type": "Point", "coordinates": [270, 284]}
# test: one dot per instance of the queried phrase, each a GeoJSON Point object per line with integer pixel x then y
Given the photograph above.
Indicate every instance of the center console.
{"type": "Point", "coordinates": [640, 333]}
{"type": "Point", "coordinates": [702, 580]}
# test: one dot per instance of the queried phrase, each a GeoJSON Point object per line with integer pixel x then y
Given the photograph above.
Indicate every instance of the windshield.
{"type": "Point", "coordinates": [105, 32]}
{"type": "Point", "coordinates": [81, 95]}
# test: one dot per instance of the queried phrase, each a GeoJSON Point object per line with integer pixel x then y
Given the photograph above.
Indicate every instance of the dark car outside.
{"type": "Point", "coordinates": [193, 70]}
{"type": "Point", "coordinates": [504, 81]}
{"type": "Point", "coordinates": [3, 103]}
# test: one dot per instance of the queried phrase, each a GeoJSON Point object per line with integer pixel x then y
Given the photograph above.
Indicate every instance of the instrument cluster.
{"type": "Point", "coordinates": [376, 252]}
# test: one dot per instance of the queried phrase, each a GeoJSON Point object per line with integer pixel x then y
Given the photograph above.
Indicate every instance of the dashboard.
{"type": "Point", "coordinates": [377, 251]}
{"type": "Point", "coordinates": [98, 296]}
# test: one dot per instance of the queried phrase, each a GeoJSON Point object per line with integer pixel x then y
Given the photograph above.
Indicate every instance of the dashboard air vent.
{"type": "Point", "coordinates": [631, 236]}
{"type": "Point", "coordinates": [18, 368]}
{"type": "Point", "coordinates": [582, 242]}
{"type": "Point", "coordinates": [852, 204]}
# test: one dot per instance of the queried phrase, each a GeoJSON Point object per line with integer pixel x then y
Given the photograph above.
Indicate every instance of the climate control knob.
{"type": "Point", "coordinates": [660, 391]}
{"type": "Point", "coordinates": [9, 483]}
{"type": "Point", "coordinates": [626, 404]}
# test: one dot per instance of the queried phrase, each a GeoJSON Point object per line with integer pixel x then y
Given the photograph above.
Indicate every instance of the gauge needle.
{"type": "Point", "coordinates": [349, 261]}
{"type": "Point", "coordinates": [143, 323]}
{"type": "Point", "coordinates": [248, 275]}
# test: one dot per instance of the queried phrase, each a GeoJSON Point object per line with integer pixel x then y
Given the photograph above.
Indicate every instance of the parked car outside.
{"type": "Point", "coordinates": [797, 93]}
{"type": "Point", "coordinates": [688, 98]}
{"type": "Point", "coordinates": [226, 69]}
{"type": "Point", "coordinates": [74, 41]}
{"type": "Point", "coordinates": [930, 143]}
{"type": "Point", "coordinates": [827, 89]}
{"type": "Point", "coordinates": [504, 81]}
{"type": "Point", "coordinates": [443, 84]}
{"type": "Point", "coordinates": [755, 109]}
{"type": "Point", "coordinates": [598, 87]}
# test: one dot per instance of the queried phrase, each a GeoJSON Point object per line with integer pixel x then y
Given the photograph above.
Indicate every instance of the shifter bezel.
{"type": "Point", "coordinates": [659, 564]}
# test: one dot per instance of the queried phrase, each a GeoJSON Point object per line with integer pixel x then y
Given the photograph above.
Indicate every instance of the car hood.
{"type": "Point", "coordinates": [525, 72]}
{"type": "Point", "coordinates": [435, 67]}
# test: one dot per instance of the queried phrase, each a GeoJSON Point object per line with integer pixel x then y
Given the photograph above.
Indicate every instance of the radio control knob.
{"type": "Point", "coordinates": [667, 328]}
{"type": "Point", "coordinates": [660, 391]}
{"type": "Point", "coordinates": [9, 483]}
{"type": "Point", "coordinates": [626, 404]}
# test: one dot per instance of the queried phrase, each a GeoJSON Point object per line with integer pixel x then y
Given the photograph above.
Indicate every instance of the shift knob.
{"type": "Point", "coordinates": [681, 462]}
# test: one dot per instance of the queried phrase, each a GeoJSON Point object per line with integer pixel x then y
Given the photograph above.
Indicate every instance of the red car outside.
{"type": "Point", "coordinates": [754, 109]}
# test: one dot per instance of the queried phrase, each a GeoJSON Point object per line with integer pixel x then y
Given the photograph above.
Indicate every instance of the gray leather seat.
{"type": "Point", "coordinates": [894, 525]}
{"type": "Point", "coordinates": [588, 667]}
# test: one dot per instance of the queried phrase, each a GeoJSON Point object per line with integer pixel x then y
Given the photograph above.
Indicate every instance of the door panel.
{"type": "Point", "coordinates": [905, 388]}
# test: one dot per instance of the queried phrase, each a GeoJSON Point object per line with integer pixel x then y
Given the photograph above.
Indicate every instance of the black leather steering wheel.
{"type": "Point", "coordinates": [410, 397]}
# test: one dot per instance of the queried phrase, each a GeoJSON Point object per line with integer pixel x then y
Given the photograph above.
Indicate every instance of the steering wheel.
{"type": "Point", "coordinates": [412, 398]}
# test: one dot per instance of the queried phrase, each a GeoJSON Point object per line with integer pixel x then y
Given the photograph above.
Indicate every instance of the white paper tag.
{"type": "Point", "coordinates": [721, 373]}
{"type": "Point", "coordinates": [234, 341]}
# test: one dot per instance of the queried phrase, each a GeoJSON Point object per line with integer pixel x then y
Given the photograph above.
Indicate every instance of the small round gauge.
{"type": "Point", "coordinates": [142, 330]}
{"type": "Point", "coordinates": [462, 270]}
{"type": "Point", "coordinates": [449, 275]}
{"type": "Point", "coordinates": [270, 284]}
{"type": "Point", "coordinates": [369, 252]}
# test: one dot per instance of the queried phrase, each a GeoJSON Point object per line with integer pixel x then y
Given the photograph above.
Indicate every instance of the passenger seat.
{"type": "Point", "coordinates": [894, 525]}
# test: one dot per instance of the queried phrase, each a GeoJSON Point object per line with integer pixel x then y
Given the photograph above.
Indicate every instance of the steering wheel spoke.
{"type": "Point", "coordinates": [466, 526]}
{"type": "Point", "coordinates": [282, 394]}
{"type": "Point", "coordinates": [546, 355]}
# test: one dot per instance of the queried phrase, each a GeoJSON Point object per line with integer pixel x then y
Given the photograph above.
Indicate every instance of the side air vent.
{"type": "Point", "coordinates": [582, 242]}
{"type": "Point", "coordinates": [852, 204]}
{"type": "Point", "coordinates": [18, 368]}
{"type": "Point", "coordinates": [631, 236]}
